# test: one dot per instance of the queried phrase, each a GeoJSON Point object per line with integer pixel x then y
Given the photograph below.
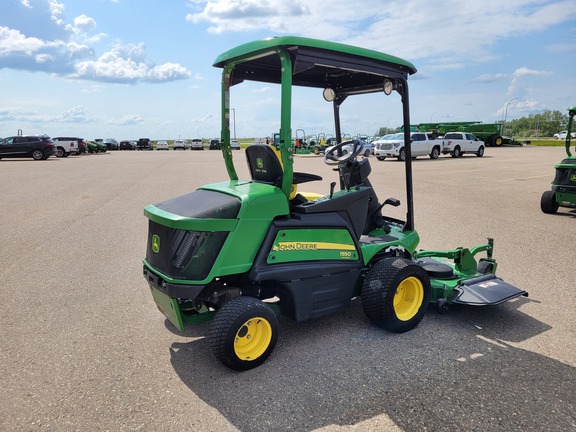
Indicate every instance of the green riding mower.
{"type": "Point", "coordinates": [563, 192]}
{"type": "Point", "coordinates": [242, 252]}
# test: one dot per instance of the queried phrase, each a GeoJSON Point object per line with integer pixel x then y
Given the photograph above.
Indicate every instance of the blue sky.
{"type": "Point", "coordinates": [133, 68]}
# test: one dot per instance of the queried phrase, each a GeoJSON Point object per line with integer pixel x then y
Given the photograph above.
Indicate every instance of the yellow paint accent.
{"type": "Point", "coordinates": [302, 246]}
{"type": "Point", "coordinates": [311, 196]}
{"type": "Point", "coordinates": [252, 339]}
{"type": "Point", "coordinates": [408, 298]}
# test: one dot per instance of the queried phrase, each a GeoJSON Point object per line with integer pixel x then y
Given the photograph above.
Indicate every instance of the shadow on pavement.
{"type": "Point", "coordinates": [453, 372]}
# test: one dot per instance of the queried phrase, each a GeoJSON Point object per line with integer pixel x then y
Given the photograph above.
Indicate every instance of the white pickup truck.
{"type": "Point", "coordinates": [423, 144]}
{"type": "Point", "coordinates": [66, 146]}
{"type": "Point", "coordinates": [458, 143]}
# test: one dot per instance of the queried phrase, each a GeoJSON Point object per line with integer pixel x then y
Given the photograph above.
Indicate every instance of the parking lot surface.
{"type": "Point", "coordinates": [83, 346]}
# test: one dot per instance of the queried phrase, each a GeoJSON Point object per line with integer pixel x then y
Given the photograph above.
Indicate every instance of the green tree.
{"type": "Point", "coordinates": [545, 124]}
{"type": "Point", "coordinates": [384, 131]}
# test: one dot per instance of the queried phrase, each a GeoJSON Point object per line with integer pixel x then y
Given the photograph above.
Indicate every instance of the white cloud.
{"type": "Point", "coordinates": [84, 23]}
{"type": "Point", "coordinates": [167, 72]}
{"type": "Point", "coordinates": [490, 78]}
{"type": "Point", "coordinates": [128, 64]}
{"type": "Point", "coordinates": [458, 30]}
{"type": "Point", "coordinates": [77, 114]}
{"type": "Point", "coordinates": [127, 120]}
{"type": "Point", "coordinates": [78, 51]}
{"type": "Point", "coordinates": [515, 88]}
{"type": "Point", "coordinates": [243, 15]}
{"type": "Point", "coordinates": [14, 42]}
{"type": "Point", "coordinates": [35, 37]}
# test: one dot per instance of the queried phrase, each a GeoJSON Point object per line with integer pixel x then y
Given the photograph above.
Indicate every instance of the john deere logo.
{"type": "Point", "coordinates": [259, 163]}
{"type": "Point", "coordinates": [573, 177]}
{"type": "Point", "coordinates": [155, 243]}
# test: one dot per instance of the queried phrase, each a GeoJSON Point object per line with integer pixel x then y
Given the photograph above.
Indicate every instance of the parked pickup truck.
{"type": "Point", "coordinates": [423, 144]}
{"type": "Point", "coordinates": [66, 146]}
{"type": "Point", "coordinates": [458, 143]}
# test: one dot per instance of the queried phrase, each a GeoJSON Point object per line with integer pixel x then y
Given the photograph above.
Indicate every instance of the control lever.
{"type": "Point", "coordinates": [332, 186]}
{"type": "Point", "coordinates": [379, 219]}
{"type": "Point", "coordinates": [347, 181]}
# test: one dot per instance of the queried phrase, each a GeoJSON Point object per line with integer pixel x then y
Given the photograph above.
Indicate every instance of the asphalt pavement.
{"type": "Point", "coordinates": [83, 347]}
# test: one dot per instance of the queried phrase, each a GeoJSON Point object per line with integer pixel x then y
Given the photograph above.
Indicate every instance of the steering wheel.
{"type": "Point", "coordinates": [335, 156]}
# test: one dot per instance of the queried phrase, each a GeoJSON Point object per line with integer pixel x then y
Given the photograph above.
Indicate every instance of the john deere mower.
{"type": "Point", "coordinates": [563, 192]}
{"type": "Point", "coordinates": [243, 251]}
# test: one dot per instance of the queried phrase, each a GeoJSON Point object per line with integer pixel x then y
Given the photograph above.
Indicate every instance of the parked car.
{"type": "Point", "coordinates": [38, 147]}
{"type": "Point", "coordinates": [366, 149]}
{"type": "Point", "coordinates": [458, 143]}
{"type": "Point", "coordinates": [234, 145]}
{"type": "Point", "coordinates": [144, 144]}
{"type": "Point", "coordinates": [214, 144]}
{"type": "Point", "coordinates": [111, 143]}
{"type": "Point", "coordinates": [82, 147]}
{"type": "Point", "coordinates": [422, 144]}
{"type": "Point", "coordinates": [65, 146]}
{"type": "Point", "coordinates": [562, 135]}
{"type": "Point", "coordinates": [180, 145]}
{"type": "Point", "coordinates": [196, 144]}
{"type": "Point", "coordinates": [162, 145]}
{"type": "Point", "coordinates": [126, 145]}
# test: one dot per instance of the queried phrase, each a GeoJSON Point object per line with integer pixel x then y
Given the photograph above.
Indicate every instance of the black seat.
{"type": "Point", "coordinates": [265, 167]}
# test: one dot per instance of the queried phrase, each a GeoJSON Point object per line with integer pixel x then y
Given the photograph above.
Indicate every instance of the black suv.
{"type": "Point", "coordinates": [214, 144]}
{"type": "Point", "coordinates": [37, 147]}
{"type": "Point", "coordinates": [143, 144]}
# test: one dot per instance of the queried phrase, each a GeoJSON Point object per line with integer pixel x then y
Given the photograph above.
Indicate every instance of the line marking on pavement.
{"type": "Point", "coordinates": [523, 178]}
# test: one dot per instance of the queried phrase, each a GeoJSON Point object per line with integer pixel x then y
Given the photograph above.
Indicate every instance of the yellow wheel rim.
{"type": "Point", "coordinates": [253, 338]}
{"type": "Point", "coordinates": [498, 141]}
{"type": "Point", "coordinates": [408, 298]}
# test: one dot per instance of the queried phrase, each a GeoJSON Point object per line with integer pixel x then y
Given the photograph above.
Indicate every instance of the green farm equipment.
{"type": "Point", "coordinates": [563, 192]}
{"type": "Point", "coordinates": [240, 252]}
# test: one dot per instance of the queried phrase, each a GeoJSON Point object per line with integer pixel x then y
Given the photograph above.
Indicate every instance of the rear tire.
{"type": "Point", "coordinates": [548, 202]}
{"type": "Point", "coordinates": [37, 154]}
{"type": "Point", "coordinates": [60, 152]}
{"type": "Point", "coordinates": [243, 333]}
{"type": "Point", "coordinates": [395, 294]}
{"type": "Point", "coordinates": [456, 153]}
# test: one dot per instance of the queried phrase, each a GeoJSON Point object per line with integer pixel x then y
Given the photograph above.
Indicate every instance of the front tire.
{"type": "Point", "coordinates": [480, 151]}
{"type": "Point", "coordinates": [243, 333]}
{"type": "Point", "coordinates": [381, 158]}
{"type": "Point", "coordinates": [435, 153]}
{"type": "Point", "coordinates": [395, 294]}
{"type": "Point", "coordinates": [402, 155]}
{"type": "Point", "coordinates": [548, 202]}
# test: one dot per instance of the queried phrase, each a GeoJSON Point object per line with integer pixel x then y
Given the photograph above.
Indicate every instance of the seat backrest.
{"type": "Point", "coordinates": [264, 165]}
